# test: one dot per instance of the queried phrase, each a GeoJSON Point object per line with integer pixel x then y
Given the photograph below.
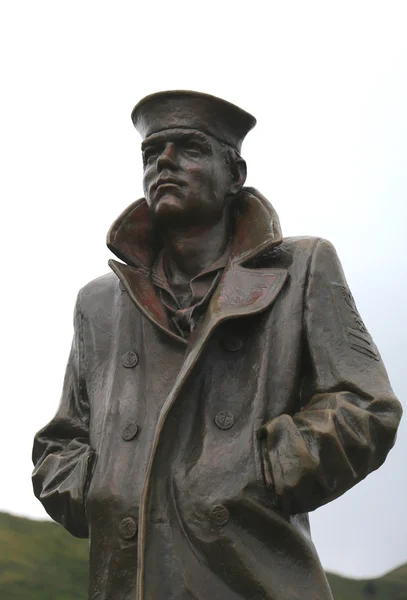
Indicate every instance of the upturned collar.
{"type": "Point", "coordinates": [242, 289]}
{"type": "Point", "coordinates": [257, 228]}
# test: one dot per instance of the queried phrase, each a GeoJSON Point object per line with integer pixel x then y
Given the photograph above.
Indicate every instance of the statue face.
{"type": "Point", "coordinates": [186, 178]}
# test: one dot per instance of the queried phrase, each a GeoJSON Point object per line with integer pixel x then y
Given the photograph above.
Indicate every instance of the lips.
{"type": "Point", "coordinates": [166, 181]}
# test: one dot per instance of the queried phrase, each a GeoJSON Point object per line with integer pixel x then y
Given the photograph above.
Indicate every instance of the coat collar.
{"type": "Point", "coordinates": [242, 290]}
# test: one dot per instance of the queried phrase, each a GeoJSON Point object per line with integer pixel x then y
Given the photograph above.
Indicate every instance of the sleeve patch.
{"type": "Point", "coordinates": [362, 343]}
{"type": "Point", "coordinates": [358, 336]}
{"type": "Point", "coordinates": [350, 303]}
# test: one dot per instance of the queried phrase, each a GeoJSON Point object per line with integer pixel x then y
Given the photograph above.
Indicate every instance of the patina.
{"type": "Point", "coordinates": [221, 383]}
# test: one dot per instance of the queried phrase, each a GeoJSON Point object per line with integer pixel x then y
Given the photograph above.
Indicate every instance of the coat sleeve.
{"type": "Point", "coordinates": [349, 415]}
{"type": "Point", "coordinates": [62, 455]}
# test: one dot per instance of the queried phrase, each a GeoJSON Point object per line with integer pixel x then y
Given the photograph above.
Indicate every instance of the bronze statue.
{"type": "Point", "coordinates": [221, 383]}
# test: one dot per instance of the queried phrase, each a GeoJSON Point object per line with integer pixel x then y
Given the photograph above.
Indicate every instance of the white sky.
{"type": "Point", "coordinates": [327, 83]}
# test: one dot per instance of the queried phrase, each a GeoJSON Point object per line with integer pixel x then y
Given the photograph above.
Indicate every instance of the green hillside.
{"type": "Point", "coordinates": [392, 586]}
{"type": "Point", "coordinates": [41, 561]}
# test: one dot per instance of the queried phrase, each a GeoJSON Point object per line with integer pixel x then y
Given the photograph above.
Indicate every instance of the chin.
{"type": "Point", "coordinates": [172, 210]}
{"type": "Point", "coordinates": [169, 206]}
{"type": "Point", "coordinates": [168, 202]}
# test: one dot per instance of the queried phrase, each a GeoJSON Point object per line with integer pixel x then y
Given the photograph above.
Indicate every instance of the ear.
{"type": "Point", "coordinates": [239, 173]}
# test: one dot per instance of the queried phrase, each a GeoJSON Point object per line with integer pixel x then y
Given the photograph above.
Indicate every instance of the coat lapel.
{"type": "Point", "coordinates": [137, 283]}
{"type": "Point", "coordinates": [240, 293]}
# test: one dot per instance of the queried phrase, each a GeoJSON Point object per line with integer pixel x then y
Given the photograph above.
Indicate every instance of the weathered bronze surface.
{"type": "Point", "coordinates": [221, 383]}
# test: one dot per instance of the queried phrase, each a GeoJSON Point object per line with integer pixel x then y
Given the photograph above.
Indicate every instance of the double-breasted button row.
{"type": "Point", "coordinates": [128, 528]}
{"type": "Point", "coordinates": [129, 359]}
{"type": "Point", "coordinates": [219, 515]}
{"type": "Point", "coordinates": [232, 343]}
{"type": "Point", "coordinates": [224, 419]}
{"type": "Point", "coordinates": [130, 431]}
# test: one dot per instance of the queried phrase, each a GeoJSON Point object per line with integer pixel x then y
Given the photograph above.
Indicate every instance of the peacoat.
{"type": "Point", "coordinates": [192, 464]}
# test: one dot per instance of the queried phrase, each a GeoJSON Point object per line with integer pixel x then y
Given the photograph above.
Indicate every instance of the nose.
{"type": "Point", "coordinates": [167, 158]}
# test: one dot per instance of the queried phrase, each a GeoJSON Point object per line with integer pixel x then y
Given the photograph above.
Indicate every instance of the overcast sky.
{"type": "Point", "coordinates": [327, 83]}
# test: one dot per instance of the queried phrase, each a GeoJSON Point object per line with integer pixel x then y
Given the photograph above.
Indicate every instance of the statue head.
{"type": "Point", "coordinates": [191, 155]}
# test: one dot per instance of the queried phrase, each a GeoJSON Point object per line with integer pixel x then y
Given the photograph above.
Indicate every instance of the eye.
{"type": "Point", "coordinates": [149, 155]}
{"type": "Point", "coordinates": [193, 149]}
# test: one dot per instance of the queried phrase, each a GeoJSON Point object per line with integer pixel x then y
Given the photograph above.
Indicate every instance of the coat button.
{"type": "Point", "coordinates": [232, 343]}
{"type": "Point", "coordinates": [220, 514]}
{"type": "Point", "coordinates": [130, 431]}
{"type": "Point", "coordinates": [224, 419]}
{"type": "Point", "coordinates": [128, 528]}
{"type": "Point", "coordinates": [129, 360]}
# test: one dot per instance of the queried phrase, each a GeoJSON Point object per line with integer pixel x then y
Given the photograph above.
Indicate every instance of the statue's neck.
{"type": "Point", "coordinates": [193, 249]}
